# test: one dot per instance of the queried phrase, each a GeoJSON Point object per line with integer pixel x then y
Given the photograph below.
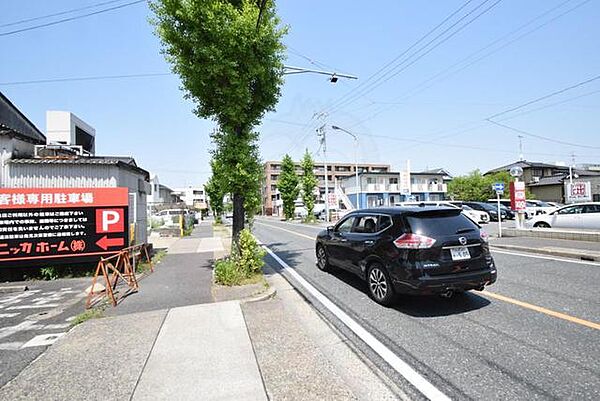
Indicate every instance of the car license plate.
{"type": "Point", "coordinates": [460, 253]}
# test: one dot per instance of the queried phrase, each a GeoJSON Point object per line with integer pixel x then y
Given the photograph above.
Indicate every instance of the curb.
{"type": "Point", "coordinates": [13, 288]}
{"type": "Point", "coordinates": [262, 297]}
{"type": "Point", "coordinates": [566, 253]}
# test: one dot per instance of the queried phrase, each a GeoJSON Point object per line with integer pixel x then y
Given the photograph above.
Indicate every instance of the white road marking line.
{"type": "Point", "coordinates": [42, 340]}
{"type": "Point", "coordinates": [13, 346]}
{"type": "Point", "coordinates": [23, 326]}
{"type": "Point", "coordinates": [554, 258]}
{"type": "Point", "coordinates": [32, 306]}
{"type": "Point", "coordinates": [3, 315]}
{"type": "Point", "coordinates": [413, 377]}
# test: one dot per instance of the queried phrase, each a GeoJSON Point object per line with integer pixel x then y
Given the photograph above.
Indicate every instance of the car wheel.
{"type": "Point", "coordinates": [322, 259]}
{"type": "Point", "coordinates": [541, 224]}
{"type": "Point", "coordinates": [380, 285]}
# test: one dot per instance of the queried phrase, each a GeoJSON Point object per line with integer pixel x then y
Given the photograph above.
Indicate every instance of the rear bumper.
{"type": "Point", "coordinates": [437, 284]}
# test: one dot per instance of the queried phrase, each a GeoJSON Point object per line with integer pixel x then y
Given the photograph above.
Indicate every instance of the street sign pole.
{"type": "Point", "coordinates": [499, 215]}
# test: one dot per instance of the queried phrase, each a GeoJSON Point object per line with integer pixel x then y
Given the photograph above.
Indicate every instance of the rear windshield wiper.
{"type": "Point", "coordinates": [464, 230]}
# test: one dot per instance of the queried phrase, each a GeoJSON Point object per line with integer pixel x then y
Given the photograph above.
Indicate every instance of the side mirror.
{"type": "Point", "coordinates": [330, 229]}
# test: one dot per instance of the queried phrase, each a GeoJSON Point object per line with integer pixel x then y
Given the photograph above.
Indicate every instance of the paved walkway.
{"type": "Point", "coordinates": [183, 277]}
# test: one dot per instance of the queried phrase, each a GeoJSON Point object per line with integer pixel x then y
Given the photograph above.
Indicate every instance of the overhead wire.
{"type": "Point", "coordinates": [408, 62]}
{"type": "Point", "coordinates": [61, 21]}
{"type": "Point", "coordinates": [542, 137]}
{"type": "Point", "coordinates": [73, 10]}
{"type": "Point", "coordinates": [90, 78]}
{"type": "Point", "coordinates": [539, 99]}
{"type": "Point", "coordinates": [382, 70]}
{"type": "Point", "coordinates": [447, 72]}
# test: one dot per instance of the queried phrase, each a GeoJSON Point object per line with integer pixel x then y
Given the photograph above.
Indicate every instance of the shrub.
{"type": "Point", "coordinates": [251, 255]}
{"type": "Point", "coordinates": [49, 273]}
{"type": "Point", "coordinates": [243, 264]}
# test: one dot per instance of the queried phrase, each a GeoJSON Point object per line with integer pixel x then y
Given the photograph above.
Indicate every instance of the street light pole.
{"type": "Point", "coordinates": [322, 133]}
{"type": "Point", "coordinates": [358, 186]}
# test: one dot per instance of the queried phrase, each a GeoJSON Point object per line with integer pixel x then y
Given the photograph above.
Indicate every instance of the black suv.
{"type": "Point", "coordinates": [415, 250]}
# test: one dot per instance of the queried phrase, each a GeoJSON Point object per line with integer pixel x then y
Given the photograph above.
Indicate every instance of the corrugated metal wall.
{"type": "Point", "coordinates": [43, 175]}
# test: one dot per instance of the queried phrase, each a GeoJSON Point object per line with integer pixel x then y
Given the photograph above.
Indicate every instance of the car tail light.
{"type": "Point", "coordinates": [413, 241]}
{"type": "Point", "coordinates": [485, 237]}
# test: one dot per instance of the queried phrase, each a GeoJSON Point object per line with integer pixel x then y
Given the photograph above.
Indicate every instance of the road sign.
{"type": "Point", "coordinates": [498, 187]}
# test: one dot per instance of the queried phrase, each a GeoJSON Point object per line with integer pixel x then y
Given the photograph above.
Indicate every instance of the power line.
{"type": "Point", "coordinates": [74, 10]}
{"type": "Point", "coordinates": [446, 73]}
{"type": "Point", "coordinates": [545, 138]}
{"type": "Point", "coordinates": [91, 78]}
{"type": "Point", "coordinates": [383, 69]}
{"type": "Point", "coordinates": [383, 79]}
{"type": "Point", "coordinates": [70, 18]}
{"type": "Point", "coordinates": [539, 99]}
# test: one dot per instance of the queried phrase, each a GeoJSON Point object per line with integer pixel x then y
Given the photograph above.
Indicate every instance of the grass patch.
{"type": "Point", "coordinates": [94, 313]}
{"type": "Point", "coordinates": [242, 265]}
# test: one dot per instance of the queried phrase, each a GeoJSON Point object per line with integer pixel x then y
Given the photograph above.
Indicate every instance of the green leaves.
{"type": "Point", "coordinates": [308, 182]}
{"type": "Point", "coordinates": [475, 186]}
{"type": "Point", "coordinates": [288, 186]}
{"type": "Point", "coordinates": [229, 68]}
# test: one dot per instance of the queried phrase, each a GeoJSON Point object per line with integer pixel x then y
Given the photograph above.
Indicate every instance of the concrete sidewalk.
{"type": "Point", "coordinates": [188, 353]}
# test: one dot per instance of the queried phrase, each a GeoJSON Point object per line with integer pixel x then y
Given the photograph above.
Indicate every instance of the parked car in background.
{"type": "Point", "coordinates": [579, 216]}
{"type": "Point", "coordinates": [477, 216]}
{"type": "Point", "coordinates": [541, 207]}
{"type": "Point", "coordinates": [484, 207]}
{"type": "Point", "coordinates": [417, 249]}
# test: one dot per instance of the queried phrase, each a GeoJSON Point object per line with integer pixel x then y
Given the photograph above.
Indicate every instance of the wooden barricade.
{"type": "Point", "coordinates": [115, 267]}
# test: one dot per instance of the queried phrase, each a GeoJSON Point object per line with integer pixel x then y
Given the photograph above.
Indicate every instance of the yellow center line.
{"type": "Point", "coordinates": [499, 297]}
{"type": "Point", "coordinates": [287, 231]}
{"type": "Point", "coordinates": [545, 311]}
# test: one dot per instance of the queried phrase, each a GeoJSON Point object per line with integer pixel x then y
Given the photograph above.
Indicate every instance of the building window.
{"type": "Point", "coordinates": [537, 172]}
{"type": "Point", "coordinates": [370, 180]}
{"type": "Point", "coordinates": [273, 187]}
{"type": "Point", "coordinates": [394, 180]}
{"type": "Point", "coordinates": [274, 177]}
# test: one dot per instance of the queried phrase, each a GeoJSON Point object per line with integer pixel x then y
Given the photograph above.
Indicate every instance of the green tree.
{"type": "Point", "coordinates": [215, 191]}
{"type": "Point", "coordinates": [308, 183]}
{"type": "Point", "coordinates": [237, 164]}
{"type": "Point", "coordinates": [287, 184]}
{"type": "Point", "coordinates": [477, 187]}
{"type": "Point", "coordinates": [229, 56]}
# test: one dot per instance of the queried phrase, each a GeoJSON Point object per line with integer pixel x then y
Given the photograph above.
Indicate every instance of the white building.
{"type": "Point", "coordinates": [193, 196]}
{"type": "Point", "coordinates": [65, 128]}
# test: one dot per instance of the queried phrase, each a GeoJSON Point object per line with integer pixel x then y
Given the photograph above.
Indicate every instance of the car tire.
{"type": "Point", "coordinates": [380, 285]}
{"type": "Point", "coordinates": [322, 259]}
{"type": "Point", "coordinates": [541, 224]}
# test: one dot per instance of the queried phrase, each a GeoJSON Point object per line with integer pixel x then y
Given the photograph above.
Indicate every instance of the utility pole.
{"type": "Point", "coordinates": [521, 147]}
{"type": "Point", "coordinates": [571, 168]}
{"type": "Point", "coordinates": [322, 134]}
{"type": "Point", "coordinates": [355, 162]}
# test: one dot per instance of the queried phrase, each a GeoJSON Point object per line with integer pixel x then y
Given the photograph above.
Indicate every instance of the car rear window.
{"type": "Point", "coordinates": [441, 224]}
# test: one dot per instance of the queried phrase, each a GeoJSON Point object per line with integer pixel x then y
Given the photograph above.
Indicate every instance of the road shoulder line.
{"type": "Point", "coordinates": [410, 374]}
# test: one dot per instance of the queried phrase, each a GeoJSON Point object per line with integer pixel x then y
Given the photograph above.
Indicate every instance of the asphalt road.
{"type": "Point", "coordinates": [30, 321]}
{"type": "Point", "coordinates": [532, 335]}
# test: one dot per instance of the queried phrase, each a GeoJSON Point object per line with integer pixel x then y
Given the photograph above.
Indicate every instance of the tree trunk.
{"type": "Point", "coordinates": [238, 218]}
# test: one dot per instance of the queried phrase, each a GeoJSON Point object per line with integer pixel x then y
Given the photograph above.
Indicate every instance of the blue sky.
{"type": "Point", "coordinates": [433, 122]}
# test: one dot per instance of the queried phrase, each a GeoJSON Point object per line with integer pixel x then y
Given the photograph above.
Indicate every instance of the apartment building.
{"type": "Point", "coordinates": [336, 171]}
{"type": "Point", "coordinates": [387, 188]}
